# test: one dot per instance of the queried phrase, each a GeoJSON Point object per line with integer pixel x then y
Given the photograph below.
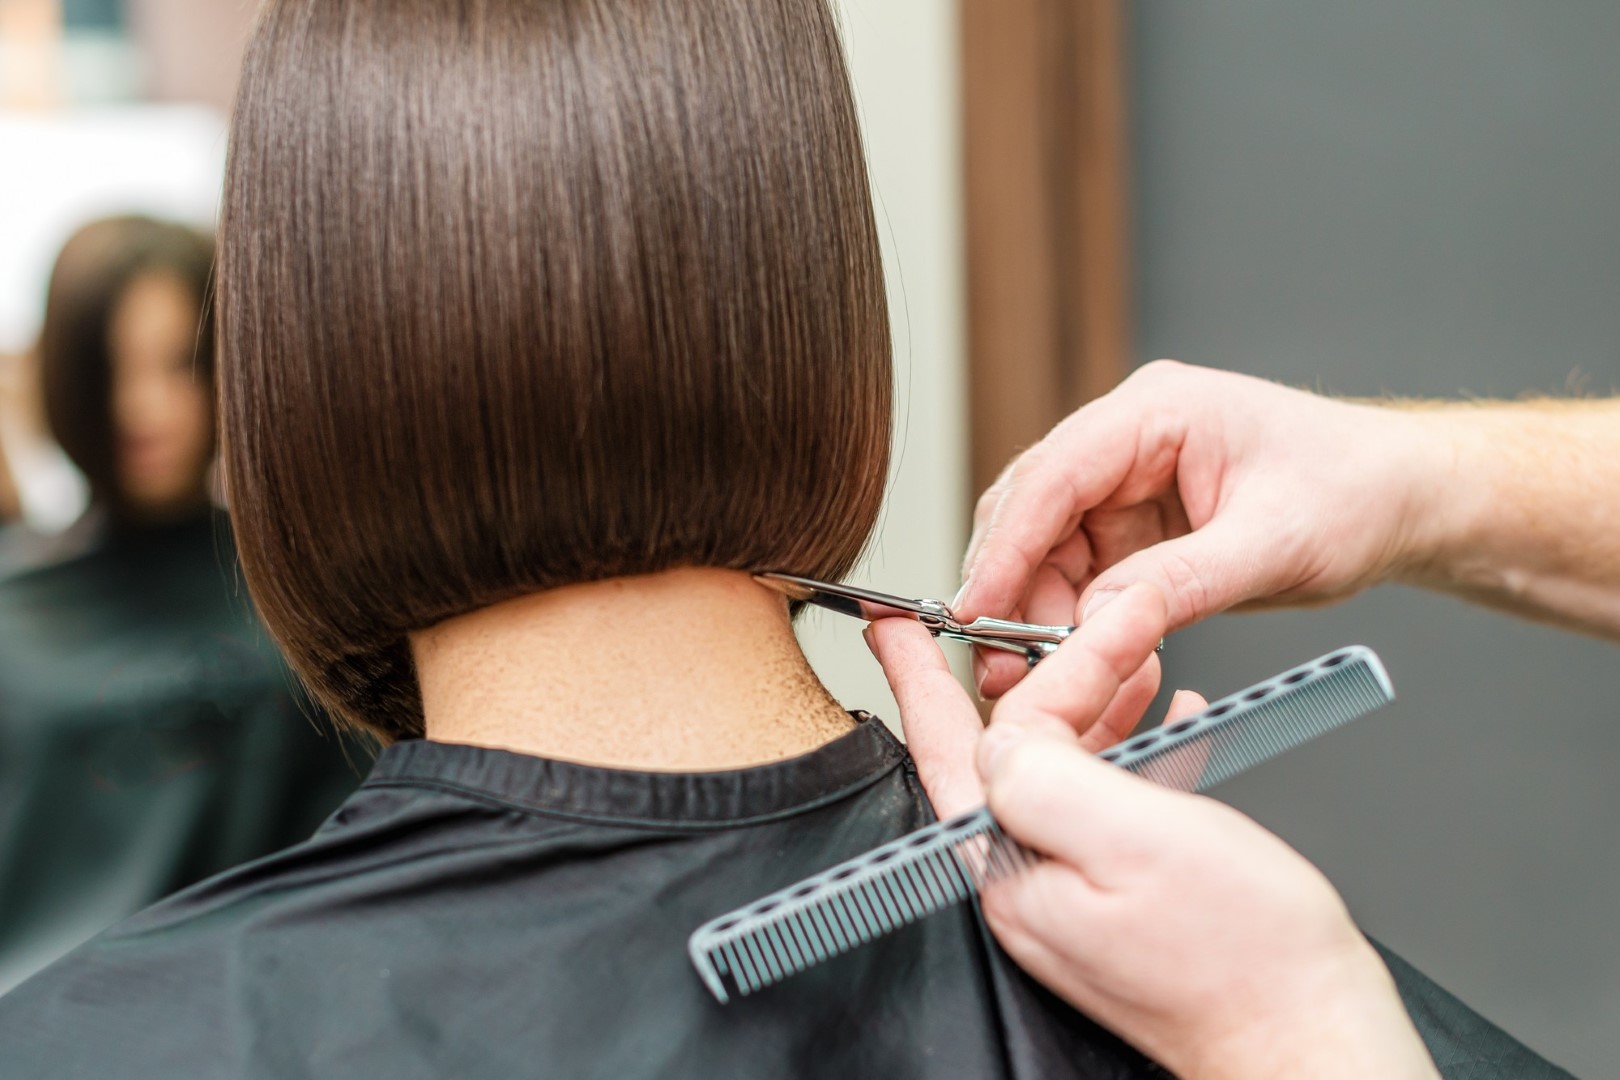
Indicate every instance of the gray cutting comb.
{"type": "Point", "coordinates": [894, 885]}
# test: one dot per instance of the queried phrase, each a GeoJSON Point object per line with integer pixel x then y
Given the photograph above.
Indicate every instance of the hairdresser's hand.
{"type": "Point", "coordinates": [1170, 918]}
{"type": "Point", "coordinates": [1220, 489]}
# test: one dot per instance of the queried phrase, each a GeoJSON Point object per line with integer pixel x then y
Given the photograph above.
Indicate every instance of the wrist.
{"type": "Point", "coordinates": [1347, 1021]}
{"type": "Point", "coordinates": [1444, 494]}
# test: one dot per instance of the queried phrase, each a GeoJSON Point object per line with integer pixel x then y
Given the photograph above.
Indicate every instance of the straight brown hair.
{"type": "Point", "coordinates": [93, 271]}
{"type": "Point", "coordinates": [520, 293]}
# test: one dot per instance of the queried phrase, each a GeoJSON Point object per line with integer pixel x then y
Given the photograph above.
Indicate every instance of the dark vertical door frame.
{"type": "Point", "coordinates": [1045, 147]}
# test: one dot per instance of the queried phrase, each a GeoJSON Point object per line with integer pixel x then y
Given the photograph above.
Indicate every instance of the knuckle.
{"type": "Point", "coordinates": [1003, 906]}
{"type": "Point", "coordinates": [1019, 771]}
{"type": "Point", "coordinates": [1135, 853]}
{"type": "Point", "coordinates": [1158, 370]}
{"type": "Point", "coordinates": [1005, 479]}
{"type": "Point", "coordinates": [1035, 782]}
{"type": "Point", "coordinates": [1033, 464]}
{"type": "Point", "coordinates": [1037, 904]}
{"type": "Point", "coordinates": [1187, 588]}
{"type": "Point", "coordinates": [985, 506]}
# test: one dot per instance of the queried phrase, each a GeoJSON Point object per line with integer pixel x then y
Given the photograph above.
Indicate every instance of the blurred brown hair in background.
{"type": "Point", "coordinates": [92, 277]}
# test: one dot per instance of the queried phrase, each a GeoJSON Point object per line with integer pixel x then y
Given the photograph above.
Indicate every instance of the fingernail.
{"type": "Point", "coordinates": [956, 601]}
{"type": "Point", "coordinates": [871, 642]}
{"type": "Point", "coordinates": [997, 742]}
{"type": "Point", "coordinates": [1098, 602]}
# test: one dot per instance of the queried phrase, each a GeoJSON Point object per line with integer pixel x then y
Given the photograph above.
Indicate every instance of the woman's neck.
{"type": "Point", "coordinates": [687, 670]}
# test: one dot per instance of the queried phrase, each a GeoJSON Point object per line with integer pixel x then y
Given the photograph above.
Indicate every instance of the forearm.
{"type": "Point", "coordinates": [1519, 508]}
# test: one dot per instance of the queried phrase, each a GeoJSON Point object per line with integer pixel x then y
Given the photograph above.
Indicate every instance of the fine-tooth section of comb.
{"type": "Point", "coordinates": [1238, 732]}
{"type": "Point", "coordinates": [933, 868]}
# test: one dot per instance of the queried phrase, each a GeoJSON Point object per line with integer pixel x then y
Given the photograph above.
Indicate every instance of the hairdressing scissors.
{"type": "Point", "coordinates": [1033, 640]}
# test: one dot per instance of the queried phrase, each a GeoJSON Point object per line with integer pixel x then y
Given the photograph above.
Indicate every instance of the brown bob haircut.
{"type": "Point", "coordinates": [94, 270]}
{"type": "Point", "coordinates": [521, 293]}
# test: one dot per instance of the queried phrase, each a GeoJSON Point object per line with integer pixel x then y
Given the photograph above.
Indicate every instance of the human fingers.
{"type": "Point", "coordinates": [1055, 798]}
{"type": "Point", "coordinates": [1121, 449]}
{"type": "Point", "coordinates": [996, 671]}
{"type": "Point", "coordinates": [1117, 532]}
{"type": "Point", "coordinates": [1052, 601]}
{"type": "Point", "coordinates": [1074, 686]}
{"type": "Point", "coordinates": [1020, 911]}
{"type": "Point", "coordinates": [1052, 598]}
{"type": "Point", "coordinates": [1185, 703]}
{"type": "Point", "coordinates": [1038, 504]}
{"type": "Point", "coordinates": [1204, 572]}
{"type": "Point", "coordinates": [1192, 758]}
{"type": "Point", "coordinates": [1265, 972]}
{"type": "Point", "coordinates": [1117, 721]}
{"type": "Point", "coordinates": [1123, 713]}
{"type": "Point", "coordinates": [1109, 534]}
{"type": "Point", "coordinates": [984, 509]}
{"type": "Point", "coordinates": [940, 721]}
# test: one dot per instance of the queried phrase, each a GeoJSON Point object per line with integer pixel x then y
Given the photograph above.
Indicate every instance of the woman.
{"type": "Point", "coordinates": [543, 325]}
{"type": "Point", "coordinates": [147, 737]}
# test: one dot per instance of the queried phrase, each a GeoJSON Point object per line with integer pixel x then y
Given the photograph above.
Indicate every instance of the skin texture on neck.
{"type": "Point", "coordinates": [689, 670]}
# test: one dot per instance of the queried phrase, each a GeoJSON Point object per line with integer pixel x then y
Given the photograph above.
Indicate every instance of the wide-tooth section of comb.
{"type": "Point", "coordinates": [853, 903]}
{"type": "Point", "coordinates": [891, 886]}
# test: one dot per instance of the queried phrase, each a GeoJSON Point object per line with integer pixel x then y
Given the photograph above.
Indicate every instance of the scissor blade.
{"type": "Point", "coordinates": [847, 599]}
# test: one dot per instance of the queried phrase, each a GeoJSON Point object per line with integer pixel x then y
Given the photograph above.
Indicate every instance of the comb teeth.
{"type": "Point", "coordinates": [935, 867]}
{"type": "Point", "coordinates": [853, 903]}
{"type": "Point", "coordinates": [1238, 732]}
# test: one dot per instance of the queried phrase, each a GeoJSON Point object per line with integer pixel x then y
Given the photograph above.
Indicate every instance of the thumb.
{"type": "Point", "coordinates": [1052, 796]}
{"type": "Point", "coordinates": [1200, 574]}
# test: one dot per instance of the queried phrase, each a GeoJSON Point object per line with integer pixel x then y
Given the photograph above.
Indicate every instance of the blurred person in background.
{"type": "Point", "coordinates": [10, 501]}
{"type": "Point", "coordinates": [11, 496]}
{"type": "Point", "coordinates": [148, 733]}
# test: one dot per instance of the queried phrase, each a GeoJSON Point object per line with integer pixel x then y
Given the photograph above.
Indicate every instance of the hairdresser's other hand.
{"type": "Point", "coordinates": [1170, 918]}
{"type": "Point", "coordinates": [1221, 489]}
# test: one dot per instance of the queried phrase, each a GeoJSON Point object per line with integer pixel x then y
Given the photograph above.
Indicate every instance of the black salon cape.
{"type": "Point", "coordinates": [148, 736]}
{"type": "Point", "coordinates": [472, 913]}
